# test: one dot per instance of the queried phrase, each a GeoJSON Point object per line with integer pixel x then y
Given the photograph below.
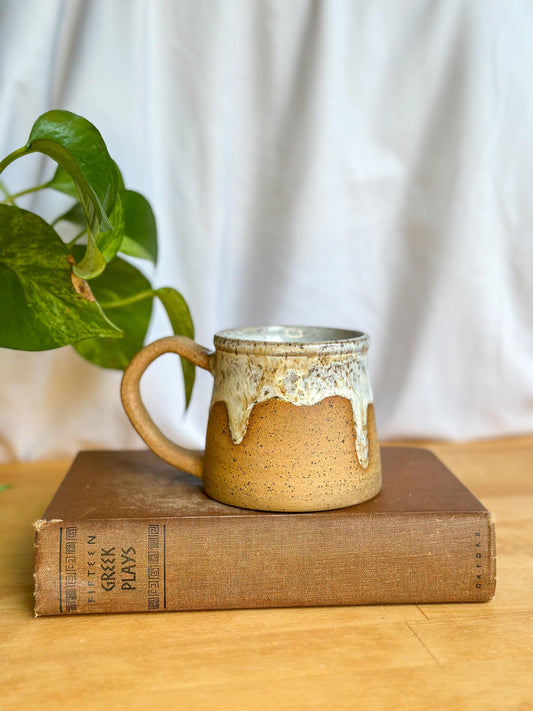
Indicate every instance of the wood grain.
{"type": "Point", "coordinates": [462, 656]}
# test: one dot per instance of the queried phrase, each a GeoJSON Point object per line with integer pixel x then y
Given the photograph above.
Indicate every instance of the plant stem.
{"type": "Point", "coordinates": [4, 189]}
{"type": "Point", "coordinates": [76, 238]}
{"type": "Point", "coordinates": [8, 199]}
{"type": "Point", "coordinates": [129, 299]}
{"type": "Point", "coordinates": [11, 198]}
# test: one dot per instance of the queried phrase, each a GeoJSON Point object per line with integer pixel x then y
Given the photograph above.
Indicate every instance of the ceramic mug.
{"type": "Point", "coordinates": [291, 424]}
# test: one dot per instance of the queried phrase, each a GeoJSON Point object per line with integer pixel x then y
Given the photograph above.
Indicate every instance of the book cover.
{"type": "Point", "coordinates": [126, 532]}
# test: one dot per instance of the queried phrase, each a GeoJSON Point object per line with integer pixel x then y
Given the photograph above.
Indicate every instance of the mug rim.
{"type": "Point", "coordinates": [285, 340]}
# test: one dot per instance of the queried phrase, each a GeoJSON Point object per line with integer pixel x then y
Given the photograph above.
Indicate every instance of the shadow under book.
{"type": "Point", "coordinates": [126, 532]}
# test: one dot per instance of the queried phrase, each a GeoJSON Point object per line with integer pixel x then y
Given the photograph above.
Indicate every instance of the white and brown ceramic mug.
{"type": "Point", "coordinates": [291, 425]}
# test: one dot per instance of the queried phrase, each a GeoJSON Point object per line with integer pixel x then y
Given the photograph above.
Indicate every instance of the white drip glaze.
{"type": "Point", "coordinates": [244, 379]}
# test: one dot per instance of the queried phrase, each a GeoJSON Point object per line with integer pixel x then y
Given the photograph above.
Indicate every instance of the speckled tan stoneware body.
{"type": "Point", "coordinates": [291, 424]}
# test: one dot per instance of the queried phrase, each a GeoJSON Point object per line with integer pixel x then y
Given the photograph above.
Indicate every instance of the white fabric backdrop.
{"type": "Point", "coordinates": [361, 164]}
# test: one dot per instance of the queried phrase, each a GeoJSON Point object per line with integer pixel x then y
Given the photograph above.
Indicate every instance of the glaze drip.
{"type": "Point", "coordinates": [243, 380]}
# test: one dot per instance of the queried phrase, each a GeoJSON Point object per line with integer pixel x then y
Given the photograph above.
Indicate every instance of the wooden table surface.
{"type": "Point", "coordinates": [462, 656]}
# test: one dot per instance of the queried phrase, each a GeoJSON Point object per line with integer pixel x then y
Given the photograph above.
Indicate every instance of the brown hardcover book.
{"type": "Point", "coordinates": [126, 532]}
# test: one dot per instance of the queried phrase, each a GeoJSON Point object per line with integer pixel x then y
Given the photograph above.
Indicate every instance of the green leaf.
{"type": "Point", "coordinates": [3, 487]}
{"type": "Point", "coordinates": [121, 282]}
{"type": "Point", "coordinates": [126, 296]}
{"type": "Point", "coordinates": [77, 146]}
{"type": "Point", "coordinates": [182, 324]}
{"type": "Point", "coordinates": [63, 183]}
{"type": "Point", "coordinates": [93, 262]}
{"type": "Point", "coordinates": [120, 180]}
{"type": "Point", "coordinates": [140, 231]}
{"type": "Point", "coordinates": [43, 305]}
{"type": "Point", "coordinates": [74, 215]}
{"type": "Point", "coordinates": [109, 242]}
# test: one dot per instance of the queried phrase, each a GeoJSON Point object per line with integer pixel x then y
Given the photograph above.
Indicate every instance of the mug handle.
{"type": "Point", "coordinates": [188, 460]}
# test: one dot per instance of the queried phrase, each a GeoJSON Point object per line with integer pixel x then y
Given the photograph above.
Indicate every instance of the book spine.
{"type": "Point", "coordinates": [229, 562]}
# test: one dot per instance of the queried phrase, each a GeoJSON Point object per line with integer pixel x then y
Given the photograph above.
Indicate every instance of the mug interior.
{"type": "Point", "coordinates": [306, 337]}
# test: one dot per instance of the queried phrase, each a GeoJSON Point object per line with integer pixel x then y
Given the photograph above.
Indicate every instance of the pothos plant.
{"type": "Point", "coordinates": [80, 291]}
